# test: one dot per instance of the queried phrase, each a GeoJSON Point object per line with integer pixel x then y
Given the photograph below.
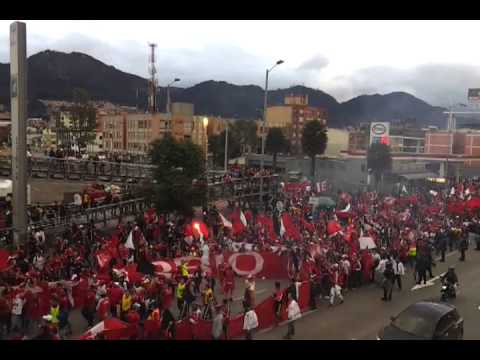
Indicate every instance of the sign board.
{"type": "Point", "coordinates": [378, 131]}
{"type": "Point", "coordinates": [474, 95]}
{"type": "Point", "coordinates": [314, 200]}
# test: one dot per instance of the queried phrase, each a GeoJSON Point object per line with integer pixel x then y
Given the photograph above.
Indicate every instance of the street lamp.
{"type": "Point", "coordinates": [169, 110]}
{"type": "Point", "coordinates": [265, 104]}
{"type": "Point", "coordinates": [205, 126]}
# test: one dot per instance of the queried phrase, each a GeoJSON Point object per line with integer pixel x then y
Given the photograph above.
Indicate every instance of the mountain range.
{"type": "Point", "coordinates": [52, 75]}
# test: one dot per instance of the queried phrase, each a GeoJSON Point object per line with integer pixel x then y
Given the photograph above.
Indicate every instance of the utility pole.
{"type": "Point", "coordinates": [226, 148]}
{"type": "Point", "coordinates": [152, 70]}
{"type": "Point", "coordinates": [18, 97]}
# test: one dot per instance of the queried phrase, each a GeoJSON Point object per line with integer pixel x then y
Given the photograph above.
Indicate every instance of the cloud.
{"type": "Point", "coordinates": [437, 84]}
{"type": "Point", "coordinates": [316, 63]}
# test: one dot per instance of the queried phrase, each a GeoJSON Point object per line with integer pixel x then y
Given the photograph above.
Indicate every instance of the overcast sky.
{"type": "Point", "coordinates": [434, 60]}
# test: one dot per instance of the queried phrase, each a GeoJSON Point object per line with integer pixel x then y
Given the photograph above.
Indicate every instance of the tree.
{"type": "Point", "coordinates": [314, 141]}
{"type": "Point", "coordinates": [379, 160]}
{"type": "Point", "coordinates": [217, 147]}
{"type": "Point", "coordinates": [84, 119]}
{"type": "Point", "coordinates": [276, 143]}
{"type": "Point", "coordinates": [245, 132]}
{"type": "Point", "coordinates": [180, 167]}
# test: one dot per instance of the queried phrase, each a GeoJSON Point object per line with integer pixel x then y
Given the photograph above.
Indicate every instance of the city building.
{"type": "Point", "coordinates": [292, 117]}
{"type": "Point", "coordinates": [132, 133]}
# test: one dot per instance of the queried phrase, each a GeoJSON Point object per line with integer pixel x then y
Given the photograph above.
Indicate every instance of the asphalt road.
{"type": "Point", "coordinates": [264, 289]}
{"type": "Point", "coordinates": [363, 313]}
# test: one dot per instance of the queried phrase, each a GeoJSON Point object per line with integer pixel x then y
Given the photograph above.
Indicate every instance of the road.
{"type": "Point", "coordinates": [264, 288]}
{"type": "Point", "coordinates": [363, 313]}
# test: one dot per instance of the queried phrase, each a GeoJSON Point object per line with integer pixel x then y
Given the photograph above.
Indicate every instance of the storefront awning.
{"type": "Point", "coordinates": [419, 176]}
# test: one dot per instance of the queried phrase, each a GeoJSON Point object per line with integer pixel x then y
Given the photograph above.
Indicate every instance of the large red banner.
{"type": "Point", "coordinates": [259, 264]}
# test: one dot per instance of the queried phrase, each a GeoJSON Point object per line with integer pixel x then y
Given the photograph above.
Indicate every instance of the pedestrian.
{"type": "Point", "coordinates": [399, 272]}
{"type": "Point", "coordinates": [88, 309]}
{"type": "Point", "coordinates": [217, 324]}
{"type": "Point", "coordinates": [168, 325]}
{"type": "Point", "coordinates": [17, 313]}
{"type": "Point", "coordinates": [249, 295]}
{"type": "Point", "coordinates": [463, 246]}
{"type": "Point", "coordinates": [294, 314]}
{"type": "Point", "coordinates": [442, 244]}
{"type": "Point", "coordinates": [421, 269]}
{"type": "Point", "coordinates": [226, 318]}
{"type": "Point", "coordinates": [278, 301]}
{"type": "Point", "coordinates": [336, 289]}
{"type": "Point", "coordinates": [250, 322]}
{"type": "Point", "coordinates": [180, 295]}
{"type": "Point", "coordinates": [5, 314]}
{"type": "Point", "coordinates": [388, 281]}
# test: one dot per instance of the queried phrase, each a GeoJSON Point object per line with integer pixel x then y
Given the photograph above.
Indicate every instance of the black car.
{"type": "Point", "coordinates": [425, 321]}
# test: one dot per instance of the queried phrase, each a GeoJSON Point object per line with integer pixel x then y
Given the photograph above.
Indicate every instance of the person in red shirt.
{"type": "Point", "coordinates": [88, 310]}
{"type": "Point", "coordinates": [229, 283]}
{"type": "Point", "coordinates": [103, 308]}
{"type": "Point", "coordinates": [278, 298]}
{"type": "Point", "coordinates": [133, 318]}
{"type": "Point", "coordinates": [115, 294]}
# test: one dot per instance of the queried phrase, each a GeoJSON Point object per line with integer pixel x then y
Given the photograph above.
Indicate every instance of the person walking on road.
{"type": "Point", "coordinates": [399, 270]}
{"type": "Point", "coordinates": [442, 243]}
{"type": "Point", "coordinates": [388, 281]}
{"type": "Point", "coordinates": [250, 322]}
{"type": "Point", "coordinates": [336, 290]}
{"type": "Point", "coordinates": [294, 314]}
{"type": "Point", "coordinates": [463, 246]}
{"type": "Point", "coordinates": [421, 269]}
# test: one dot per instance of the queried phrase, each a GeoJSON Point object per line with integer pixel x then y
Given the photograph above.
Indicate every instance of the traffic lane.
{"type": "Point", "coordinates": [468, 298]}
{"type": "Point", "coordinates": [264, 289]}
{"type": "Point", "coordinates": [363, 314]}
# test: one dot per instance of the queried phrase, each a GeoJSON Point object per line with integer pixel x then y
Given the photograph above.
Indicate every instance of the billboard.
{"type": "Point", "coordinates": [379, 132]}
{"type": "Point", "coordinates": [474, 95]}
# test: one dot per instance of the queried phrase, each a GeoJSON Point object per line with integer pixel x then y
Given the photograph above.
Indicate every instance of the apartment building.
{"type": "Point", "coordinates": [292, 117]}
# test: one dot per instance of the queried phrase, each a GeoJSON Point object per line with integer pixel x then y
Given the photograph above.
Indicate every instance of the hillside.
{"type": "Point", "coordinates": [53, 75]}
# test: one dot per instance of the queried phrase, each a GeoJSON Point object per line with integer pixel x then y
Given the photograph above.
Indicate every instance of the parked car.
{"type": "Point", "coordinates": [425, 321]}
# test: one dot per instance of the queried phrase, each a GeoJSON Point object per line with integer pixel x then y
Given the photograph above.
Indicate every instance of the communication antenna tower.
{"type": "Point", "coordinates": [152, 71]}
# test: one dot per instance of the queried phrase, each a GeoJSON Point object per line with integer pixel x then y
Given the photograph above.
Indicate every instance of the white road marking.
{"type": "Point", "coordinates": [429, 283]}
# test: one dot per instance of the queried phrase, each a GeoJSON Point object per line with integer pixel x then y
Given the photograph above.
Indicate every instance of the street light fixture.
{"type": "Point", "coordinates": [168, 94]}
{"type": "Point", "coordinates": [205, 126]}
{"type": "Point", "coordinates": [265, 105]}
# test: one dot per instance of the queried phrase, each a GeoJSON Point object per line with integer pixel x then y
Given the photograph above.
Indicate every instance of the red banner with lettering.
{"type": "Point", "coordinates": [258, 264]}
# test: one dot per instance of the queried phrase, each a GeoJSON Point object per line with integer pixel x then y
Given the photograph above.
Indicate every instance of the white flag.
{"type": "Point", "coordinates": [404, 190]}
{"type": "Point", "coordinates": [225, 222]}
{"type": "Point", "coordinates": [282, 227]}
{"type": "Point", "coordinates": [129, 244]}
{"type": "Point", "coordinates": [243, 219]}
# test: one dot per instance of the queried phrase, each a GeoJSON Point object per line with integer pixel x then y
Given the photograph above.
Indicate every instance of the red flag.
{"type": "Point", "coordinates": [290, 227]}
{"type": "Point", "coordinates": [103, 258]}
{"type": "Point", "coordinates": [4, 255]}
{"type": "Point", "coordinates": [473, 203]}
{"type": "Point", "coordinates": [237, 224]}
{"type": "Point", "coordinates": [267, 222]}
{"type": "Point", "coordinates": [333, 228]}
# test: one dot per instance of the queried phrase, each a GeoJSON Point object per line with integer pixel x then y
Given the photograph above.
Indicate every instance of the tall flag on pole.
{"type": "Point", "coordinates": [225, 222]}
{"type": "Point", "coordinates": [129, 243]}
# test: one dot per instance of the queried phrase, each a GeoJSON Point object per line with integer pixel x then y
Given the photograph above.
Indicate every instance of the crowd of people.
{"type": "Point", "coordinates": [326, 249]}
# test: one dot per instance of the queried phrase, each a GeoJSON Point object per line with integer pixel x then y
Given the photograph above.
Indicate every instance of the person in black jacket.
{"type": "Point", "coordinates": [389, 279]}
{"type": "Point", "coordinates": [463, 246]}
{"type": "Point", "coordinates": [421, 269]}
{"type": "Point", "coordinates": [442, 243]}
